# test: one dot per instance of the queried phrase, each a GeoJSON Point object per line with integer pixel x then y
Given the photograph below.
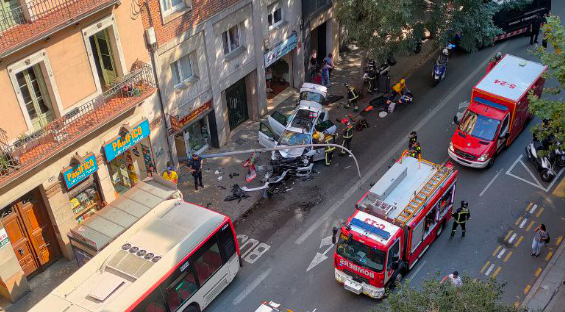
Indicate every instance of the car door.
{"type": "Point", "coordinates": [393, 256]}
{"type": "Point", "coordinates": [277, 122]}
{"type": "Point", "coordinates": [502, 138]}
{"type": "Point", "coordinates": [267, 138]}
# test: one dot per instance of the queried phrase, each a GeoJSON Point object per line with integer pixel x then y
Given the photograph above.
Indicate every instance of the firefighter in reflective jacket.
{"type": "Point", "coordinates": [460, 217]}
{"type": "Point", "coordinates": [416, 150]}
{"type": "Point", "coordinates": [329, 150]}
{"type": "Point", "coordinates": [347, 136]}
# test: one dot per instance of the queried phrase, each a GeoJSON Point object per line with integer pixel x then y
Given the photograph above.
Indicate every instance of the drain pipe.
{"type": "Point", "coordinates": [159, 94]}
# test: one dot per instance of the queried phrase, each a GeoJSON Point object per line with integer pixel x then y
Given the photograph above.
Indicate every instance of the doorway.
{"type": "Point", "coordinates": [31, 233]}
{"type": "Point", "coordinates": [236, 99]}
{"type": "Point", "coordinates": [104, 60]}
{"type": "Point", "coordinates": [319, 41]}
{"type": "Point", "coordinates": [36, 98]}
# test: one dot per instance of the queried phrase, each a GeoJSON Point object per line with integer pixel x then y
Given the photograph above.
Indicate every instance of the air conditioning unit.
{"type": "Point", "coordinates": [150, 36]}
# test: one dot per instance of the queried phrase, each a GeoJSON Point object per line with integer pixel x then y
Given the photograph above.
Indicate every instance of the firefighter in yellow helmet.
{"type": "Point", "coordinates": [329, 150]}
{"type": "Point", "coordinates": [397, 89]}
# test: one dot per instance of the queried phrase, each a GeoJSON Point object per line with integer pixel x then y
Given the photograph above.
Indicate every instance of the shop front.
{"type": "Point", "coordinates": [193, 132]}
{"type": "Point", "coordinates": [279, 66]}
{"type": "Point", "coordinates": [129, 156]}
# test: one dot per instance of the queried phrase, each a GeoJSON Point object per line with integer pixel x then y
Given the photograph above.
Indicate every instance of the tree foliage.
{"type": "Point", "coordinates": [433, 296]}
{"type": "Point", "coordinates": [544, 108]}
{"type": "Point", "coordinates": [386, 27]}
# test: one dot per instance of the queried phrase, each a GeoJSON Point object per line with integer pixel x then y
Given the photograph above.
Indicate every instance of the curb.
{"type": "Point", "coordinates": [426, 58]}
{"type": "Point", "coordinates": [537, 284]}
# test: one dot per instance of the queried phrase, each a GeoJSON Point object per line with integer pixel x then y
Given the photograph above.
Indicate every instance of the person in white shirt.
{"type": "Point", "coordinates": [454, 279]}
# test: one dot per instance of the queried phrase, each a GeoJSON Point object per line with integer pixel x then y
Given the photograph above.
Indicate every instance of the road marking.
{"type": "Point", "coordinates": [533, 208]}
{"type": "Point", "coordinates": [530, 226]}
{"type": "Point", "coordinates": [491, 182]}
{"type": "Point", "coordinates": [539, 212]}
{"type": "Point", "coordinates": [496, 250]}
{"type": "Point", "coordinates": [537, 184]}
{"type": "Point", "coordinates": [508, 235]}
{"type": "Point", "coordinates": [527, 289]}
{"type": "Point", "coordinates": [485, 266]}
{"type": "Point", "coordinates": [394, 150]}
{"type": "Point", "coordinates": [512, 238]}
{"type": "Point", "coordinates": [496, 272]}
{"type": "Point", "coordinates": [418, 270]}
{"type": "Point", "coordinates": [490, 268]}
{"type": "Point", "coordinates": [255, 250]}
{"type": "Point", "coordinates": [538, 272]}
{"type": "Point", "coordinates": [519, 241]}
{"type": "Point", "coordinates": [523, 222]}
{"type": "Point", "coordinates": [321, 256]}
{"type": "Point", "coordinates": [549, 254]}
{"type": "Point", "coordinates": [507, 256]}
{"type": "Point", "coordinates": [252, 286]}
{"type": "Point", "coordinates": [519, 220]}
{"type": "Point", "coordinates": [501, 253]}
{"type": "Point", "coordinates": [529, 205]}
{"type": "Point", "coordinates": [558, 241]}
{"type": "Point", "coordinates": [560, 189]}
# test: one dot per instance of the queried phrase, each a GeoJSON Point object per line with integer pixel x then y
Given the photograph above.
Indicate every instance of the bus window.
{"type": "Point", "coordinates": [180, 290]}
{"type": "Point", "coordinates": [226, 242]}
{"type": "Point", "coordinates": [208, 262]}
{"type": "Point", "coordinates": [152, 303]}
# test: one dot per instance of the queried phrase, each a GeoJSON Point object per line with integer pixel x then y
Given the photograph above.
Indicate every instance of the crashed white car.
{"type": "Point", "coordinates": [309, 115]}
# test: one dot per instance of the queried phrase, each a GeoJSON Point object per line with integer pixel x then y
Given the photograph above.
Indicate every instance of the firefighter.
{"type": "Point", "coordinates": [416, 150]}
{"type": "Point", "coordinates": [329, 150]}
{"type": "Point", "coordinates": [460, 217]}
{"type": "Point", "coordinates": [347, 135]}
{"type": "Point", "coordinates": [412, 139]}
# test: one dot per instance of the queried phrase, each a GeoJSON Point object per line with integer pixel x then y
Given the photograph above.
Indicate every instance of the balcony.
{"type": "Point", "coordinates": [31, 150]}
{"type": "Point", "coordinates": [37, 19]}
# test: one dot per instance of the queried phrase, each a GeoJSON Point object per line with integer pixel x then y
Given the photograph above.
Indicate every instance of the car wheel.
{"type": "Point", "coordinates": [399, 277]}
{"type": "Point", "coordinates": [546, 175]}
{"type": "Point", "coordinates": [490, 162]}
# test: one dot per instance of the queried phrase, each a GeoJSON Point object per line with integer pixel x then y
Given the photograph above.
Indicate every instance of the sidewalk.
{"type": "Point", "coordinates": [548, 293]}
{"type": "Point", "coordinates": [220, 174]}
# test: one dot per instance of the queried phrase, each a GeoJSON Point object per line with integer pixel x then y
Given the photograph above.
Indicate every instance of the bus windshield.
{"type": "Point", "coordinates": [479, 126]}
{"type": "Point", "coordinates": [361, 254]}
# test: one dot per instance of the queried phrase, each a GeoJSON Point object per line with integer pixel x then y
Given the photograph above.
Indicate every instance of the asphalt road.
{"type": "Point", "coordinates": [283, 235]}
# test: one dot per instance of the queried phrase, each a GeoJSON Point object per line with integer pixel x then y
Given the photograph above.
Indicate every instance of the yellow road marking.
{"type": "Point", "coordinates": [527, 289]}
{"type": "Point", "coordinates": [496, 250]}
{"type": "Point", "coordinates": [549, 254]}
{"type": "Point", "coordinates": [538, 272]}
{"type": "Point", "coordinates": [485, 266]}
{"type": "Point", "coordinates": [529, 206]}
{"type": "Point", "coordinates": [560, 189]}
{"type": "Point", "coordinates": [530, 226]}
{"type": "Point", "coordinates": [519, 241]}
{"type": "Point", "coordinates": [508, 235]}
{"type": "Point", "coordinates": [539, 212]}
{"type": "Point", "coordinates": [496, 272]}
{"type": "Point", "coordinates": [507, 256]}
{"type": "Point", "coordinates": [519, 220]}
{"type": "Point", "coordinates": [558, 241]}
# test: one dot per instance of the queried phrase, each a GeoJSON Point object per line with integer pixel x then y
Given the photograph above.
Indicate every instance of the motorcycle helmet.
{"type": "Point", "coordinates": [464, 204]}
{"type": "Point", "coordinates": [402, 81]}
{"type": "Point", "coordinates": [316, 135]}
{"type": "Point", "coordinates": [445, 52]}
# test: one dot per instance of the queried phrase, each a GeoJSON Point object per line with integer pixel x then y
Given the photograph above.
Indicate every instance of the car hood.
{"type": "Point", "coordinates": [470, 144]}
{"type": "Point", "coordinates": [292, 152]}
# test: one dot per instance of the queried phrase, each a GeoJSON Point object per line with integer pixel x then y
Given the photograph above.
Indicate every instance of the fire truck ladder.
{"type": "Point", "coordinates": [425, 192]}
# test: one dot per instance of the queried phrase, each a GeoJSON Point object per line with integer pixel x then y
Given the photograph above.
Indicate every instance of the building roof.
{"type": "Point", "coordinates": [512, 77]}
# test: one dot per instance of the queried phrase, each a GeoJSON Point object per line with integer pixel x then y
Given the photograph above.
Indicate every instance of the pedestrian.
{"type": "Point", "coordinates": [330, 63]}
{"type": "Point", "coordinates": [195, 167]}
{"type": "Point", "coordinates": [313, 64]}
{"type": "Point", "coordinates": [412, 139]}
{"type": "Point", "coordinates": [543, 22]}
{"type": "Point", "coordinates": [541, 237]}
{"type": "Point", "coordinates": [460, 217]}
{"type": "Point", "coordinates": [347, 135]}
{"type": "Point", "coordinates": [454, 279]}
{"type": "Point", "coordinates": [269, 79]}
{"type": "Point", "coordinates": [535, 26]}
{"type": "Point", "coordinates": [325, 72]}
{"type": "Point", "coordinates": [170, 174]}
{"type": "Point", "coordinates": [329, 150]}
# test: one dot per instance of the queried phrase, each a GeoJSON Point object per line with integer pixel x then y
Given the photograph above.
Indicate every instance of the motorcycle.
{"type": "Point", "coordinates": [440, 67]}
{"type": "Point", "coordinates": [352, 96]}
{"type": "Point", "coordinates": [544, 164]}
{"type": "Point", "coordinates": [560, 156]}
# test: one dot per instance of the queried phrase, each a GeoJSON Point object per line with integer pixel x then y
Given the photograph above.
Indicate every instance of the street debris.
{"type": "Point", "coordinates": [237, 193]}
{"type": "Point", "coordinates": [220, 178]}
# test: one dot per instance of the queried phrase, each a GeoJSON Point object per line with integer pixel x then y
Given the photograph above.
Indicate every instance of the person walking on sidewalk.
{"type": "Point", "coordinates": [347, 136]}
{"type": "Point", "coordinates": [313, 64]}
{"type": "Point", "coordinates": [535, 26]}
{"type": "Point", "coordinates": [460, 217]}
{"type": "Point", "coordinates": [541, 237]}
{"type": "Point", "coordinates": [195, 167]}
{"type": "Point", "coordinates": [170, 174]}
{"type": "Point", "coordinates": [454, 279]}
{"type": "Point", "coordinates": [329, 61]}
{"type": "Point", "coordinates": [325, 72]}
{"type": "Point", "coordinates": [329, 150]}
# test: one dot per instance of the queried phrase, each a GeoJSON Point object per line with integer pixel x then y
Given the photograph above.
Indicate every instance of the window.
{"type": "Point", "coordinates": [231, 39]}
{"type": "Point", "coordinates": [170, 6]}
{"type": "Point", "coordinates": [393, 254]}
{"type": "Point", "coordinates": [34, 92]}
{"type": "Point", "coordinates": [182, 70]}
{"type": "Point", "coordinates": [208, 263]}
{"type": "Point", "coordinates": [181, 289]}
{"type": "Point", "coordinates": [275, 16]}
{"type": "Point", "coordinates": [361, 254]}
{"type": "Point", "coordinates": [227, 242]}
{"type": "Point", "coordinates": [152, 303]}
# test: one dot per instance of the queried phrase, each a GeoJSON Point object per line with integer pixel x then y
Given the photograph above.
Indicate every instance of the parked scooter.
{"type": "Point", "coordinates": [440, 67]}
{"type": "Point", "coordinates": [560, 155]}
{"type": "Point", "coordinates": [352, 97]}
{"type": "Point", "coordinates": [545, 164]}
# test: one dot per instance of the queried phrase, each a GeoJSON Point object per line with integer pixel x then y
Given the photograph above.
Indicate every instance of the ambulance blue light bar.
{"type": "Point", "coordinates": [370, 228]}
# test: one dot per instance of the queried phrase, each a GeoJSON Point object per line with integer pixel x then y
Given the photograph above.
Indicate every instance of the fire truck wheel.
{"type": "Point", "coordinates": [192, 309]}
{"type": "Point", "coordinates": [440, 229]}
{"type": "Point", "coordinates": [398, 277]}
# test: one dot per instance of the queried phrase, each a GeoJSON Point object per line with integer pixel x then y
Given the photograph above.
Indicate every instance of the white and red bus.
{"type": "Point", "coordinates": [178, 257]}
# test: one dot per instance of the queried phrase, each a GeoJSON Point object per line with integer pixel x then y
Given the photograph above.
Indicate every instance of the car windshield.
{"type": "Point", "coordinates": [311, 96]}
{"type": "Point", "coordinates": [479, 126]}
{"type": "Point", "coordinates": [361, 254]}
{"type": "Point", "coordinates": [294, 138]}
{"type": "Point", "coordinates": [304, 119]}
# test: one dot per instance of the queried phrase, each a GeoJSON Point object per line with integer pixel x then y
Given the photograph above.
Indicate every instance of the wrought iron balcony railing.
{"type": "Point", "coordinates": [33, 149]}
{"type": "Point", "coordinates": [37, 19]}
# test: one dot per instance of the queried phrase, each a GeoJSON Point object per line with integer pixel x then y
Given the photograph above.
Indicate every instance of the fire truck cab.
{"type": "Point", "coordinates": [393, 225]}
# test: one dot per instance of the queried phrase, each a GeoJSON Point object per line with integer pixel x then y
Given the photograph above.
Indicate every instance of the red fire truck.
{"type": "Point", "coordinates": [393, 225]}
{"type": "Point", "coordinates": [497, 112]}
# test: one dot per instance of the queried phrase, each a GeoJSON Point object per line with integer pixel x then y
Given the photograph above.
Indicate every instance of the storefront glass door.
{"type": "Point", "coordinates": [198, 135]}
{"type": "Point", "coordinates": [236, 99]}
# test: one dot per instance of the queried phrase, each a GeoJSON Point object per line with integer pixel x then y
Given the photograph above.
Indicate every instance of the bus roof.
{"type": "Point", "coordinates": [511, 78]}
{"type": "Point", "coordinates": [125, 270]}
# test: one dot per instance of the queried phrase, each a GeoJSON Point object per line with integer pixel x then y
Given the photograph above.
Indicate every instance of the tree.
{"type": "Point", "coordinates": [433, 296]}
{"type": "Point", "coordinates": [544, 108]}
{"type": "Point", "coordinates": [386, 27]}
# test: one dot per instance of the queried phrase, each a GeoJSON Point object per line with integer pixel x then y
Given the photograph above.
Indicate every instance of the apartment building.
{"type": "Point", "coordinates": [81, 124]}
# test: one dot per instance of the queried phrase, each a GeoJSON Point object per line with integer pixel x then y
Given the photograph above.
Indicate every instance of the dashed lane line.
{"type": "Point", "coordinates": [508, 235]}
{"type": "Point", "coordinates": [558, 241]}
{"type": "Point", "coordinates": [519, 241]}
{"type": "Point", "coordinates": [512, 238]}
{"type": "Point", "coordinates": [485, 266]}
{"type": "Point", "coordinates": [496, 272]}
{"type": "Point", "coordinates": [530, 226]}
{"type": "Point", "coordinates": [539, 212]}
{"type": "Point", "coordinates": [490, 268]}
{"type": "Point", "coordinates": [549, 255]}
{"type": "Point", "coordinates": [519, 220]}
{"type": "Point", "coordinates": [252, 286]}
{"type": "Point", "coordinates": [538, 272]}
{"type": "Point", "coordinates": [507, 256]}
{"type": "Point", "coordinates": [527, 289]}
{"type": "Point", "coordinates": [501, 253]}
{"type": "Point", "coordinates": [528, 207]}
{"type": "Point", "coordinates": [523, 223]}
{"type": "Point", "coordinates": [533, 208]}
{"type": "Point", "coordinates": [496, 250]}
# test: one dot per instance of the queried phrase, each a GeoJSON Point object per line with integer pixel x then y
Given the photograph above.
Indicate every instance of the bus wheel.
{"type": "Point", "coordinates": [191, 309]}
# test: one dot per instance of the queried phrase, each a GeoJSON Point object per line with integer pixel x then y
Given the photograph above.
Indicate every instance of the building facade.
{"type": "Point", "coordinates": [81, 124]}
